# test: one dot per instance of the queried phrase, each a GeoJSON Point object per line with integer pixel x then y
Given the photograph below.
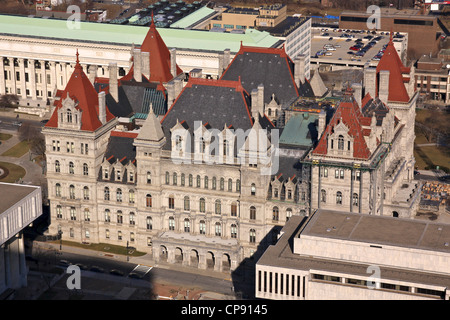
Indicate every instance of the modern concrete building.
{"type": "Point", "coordinates": [19, 207]}
{"type": "Point", "coordinates": [351, 256]}
{"type": "Point", "coordinates": [432, 78]}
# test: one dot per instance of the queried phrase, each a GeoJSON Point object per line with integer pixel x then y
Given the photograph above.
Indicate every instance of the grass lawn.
{"type": "Point", "coordinates": [5, 136]}
{"type": "Point", "coordinates": [104, 247]}
{"type": "Point", "coordinates": [18, 150]}
{"type": "Point", "coordinates": [15, 172]}
{"type": "Point", "coordinates": [431, 156]}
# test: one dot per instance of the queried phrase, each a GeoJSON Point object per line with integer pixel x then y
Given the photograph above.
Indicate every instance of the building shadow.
{"type": "Point", "coordinates": [243, 277]}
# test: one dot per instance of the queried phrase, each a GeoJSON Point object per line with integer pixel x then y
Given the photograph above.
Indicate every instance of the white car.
{"type": "Point", "coordinates": [328, 53]}
{"type": "Point", "coordinates": [331, 49]}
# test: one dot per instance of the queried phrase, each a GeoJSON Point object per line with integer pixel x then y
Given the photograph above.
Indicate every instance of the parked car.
{"type": "Point", "coordinates": [116, 272]}
{"type": "Point", "coordinates": [97, 269]}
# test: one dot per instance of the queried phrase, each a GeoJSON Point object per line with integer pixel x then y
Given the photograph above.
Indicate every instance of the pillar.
{"type": "Point", "coordinates": [2, 83]}
{"type": "Point", "coordinates": [53, 77]}
{"type": "Point", "coordinates": [13, 76]}
{"type": "Point", "coordinates": [32, 78]}
{"type": "Point", "coordinates": [44, 82]}
{"type": "Point", "coordinates": [23, 88]}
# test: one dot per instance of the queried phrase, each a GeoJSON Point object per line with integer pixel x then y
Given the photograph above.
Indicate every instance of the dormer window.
{"type": "Point", "coordinates": [69, 115]}
{"type": "Point", "coordinates": [341, 142]}
{"type": "Point", "coordinates": [118, 174]}
{"type": "Point", "coordinates": [105, 173]}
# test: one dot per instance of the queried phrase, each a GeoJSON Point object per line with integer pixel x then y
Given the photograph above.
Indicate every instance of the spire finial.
{"type": "Point", "coordinates": [78, 60]}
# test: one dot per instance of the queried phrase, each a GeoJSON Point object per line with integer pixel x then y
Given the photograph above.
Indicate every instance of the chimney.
{"type": "Point", "coordinates": [357, 93]}
{"type": "Point", "coordinates": [370, 76]}
{"type": "Point", "coordinates": [92, 70]}
{"type": "Point", "coordinates": [299, 69]}
{"type": "Point", "coordinates": [113, 81]}
{"type": "Point", "coordinates": [224, 61]}
{"type": "Point", "coordinates": [173, 62]}
{"type": "Point", "coordinates": [383, 86]}
{"type": "Point", "coordinates": [254, 109]}
{"type": "Point", "coordinates": [261, 99]}
{"type": "Point", "coordinates": [170, 86]}
{"type": "Point", "coordinates": [102, 107]}
{"type": "Point", "coordinates": [321, 124]}
{"type": "Point", "coordinates": [145, 57]}
{"type": "Point", "coordinates": [178, 87]}
{"type": "Point", "coordinates": [137, 62]}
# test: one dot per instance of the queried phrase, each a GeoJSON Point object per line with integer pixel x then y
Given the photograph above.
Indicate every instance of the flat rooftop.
{"type": "Point", "coordinates": [128, 34]}
{"type": "Point", "coordinates": [13, 193]}
{"type": "Point", "coordinates": [381, 230]}
{"type": "Point", "coordinates": [282, 255]}
{"type": "Point", "coordinates": [392, 13]}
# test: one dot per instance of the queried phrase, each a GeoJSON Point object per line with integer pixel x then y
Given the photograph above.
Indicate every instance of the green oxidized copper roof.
{"type": "Point", "coordinates": [299, 130]}
{"type": "Point", "coordinates": [192, 18]}
{"type": "Point", "coordinates": [129, 34]}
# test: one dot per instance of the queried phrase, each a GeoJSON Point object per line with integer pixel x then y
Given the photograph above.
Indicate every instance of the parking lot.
{"type": "Point", "coordinates": [349, 47]}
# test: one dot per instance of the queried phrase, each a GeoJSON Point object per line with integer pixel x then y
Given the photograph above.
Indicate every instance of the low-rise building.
{"type": "Point", "coordinates": [19, 207]}
{"type": "Point", "coordinates": [343, 255]}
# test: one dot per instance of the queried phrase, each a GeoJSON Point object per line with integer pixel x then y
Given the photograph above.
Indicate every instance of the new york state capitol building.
{"type": "Point", "coordinates": [123, 153]}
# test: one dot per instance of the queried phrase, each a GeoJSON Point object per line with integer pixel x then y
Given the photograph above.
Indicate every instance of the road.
{"type": "Point", "coordinates": [153, 274]}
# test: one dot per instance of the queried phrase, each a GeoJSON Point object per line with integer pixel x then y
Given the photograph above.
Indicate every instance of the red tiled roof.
{"type": "Point", "coordinates": [391, 62]}
{"type": "Point", "coordinates": [350, 114]}
{"type": "Point", "coordinates": [159, 56]}
{"type": "Point", "coordinates": [79, 88]}
{"type": "Point", "coordinates": [124, 134]}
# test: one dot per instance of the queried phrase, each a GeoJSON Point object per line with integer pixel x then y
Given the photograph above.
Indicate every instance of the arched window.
{"type": "Point", "coordinates": [395, 214]}
{"type": "Point", "coordinates": [253, 189]}
{"type": "Point", "coordinates": [201, 145]}
{"type": "Point", "coordinates": [58, 212]}
{"type": "Point", "coordinates": [175, 179]}
{"type": "Point", "coordinates": [149, 177]}
{"type": "Point", "coordinates": [238, 185]}
{"type": "Point", "coordinates": [214, 183]}
{"type": "Point", "coordinates": [182, 179]}
{"type": "Point", "coordinates": [171, 223]}
{"type": "Point", "coordinates": [222, 183]}
{"type": "Point", "coordinates": [230, 185]}
{"type": "Point", "coordinates": [187, 203]}
{"type": "Point", "coordinates": [132, 219]}
{"type": "Point", "coordinates": [57, 166]}
{"type": "Point", "coordinates": [86, 193]}
{"type": "Point", "coordinates": [107, 215]}
{"type": "Point", "coordinates": [131, 196]}
{"type": "Point", "coordinates": [233, 231]}
{"type": "Point", "coordinates": [119, 195]}
{"type": "Point", "coordinates": [69, 115]}
{"type": "Point", "coordinates": [218, 207]}
{"type": "Point", "coordinates": [275, 214]}
{"type": "Point", "coordinates": [190, 180]}
{"type": "Point", "coordinates": [187, 225]}
{"type": "Point", "coordinates": [85, 169]}
{"type": "Point", "coordinates": [119, 217]}
{"type": "Point", "coordinates": [252, 213]}
{"type": "Point", "coordinates": [226, 148]}
{"type": "Point", "coordinates": [252, 235]}
{"type": "Point", "coordinates": [167, 177]}
{"type": "Point", "coordinates": [71, 168]}
{"type": "Point", "coordinates": [72, 192]}
{"type": "Point", "coordinates": [202, 227]}
{"type": "Point", "coordinates": [202, 205]}
{"type": "Point", "coordinates": [218, 229]}
{"type": "Point", "coordinates": [58, 190]}
{"type": "Point", "coordinates": [341, 142]}
{"type": "Point", "coordinates": [106, 193]}
{"type": "Point", "coordinates": [355, 199]}
{"type": "Point", "coordinates": [206, 182]}
{"type": "Point", "coordinates": [323, 196]}
{"type": "Point", "coordinates": [149, 223]}
{"type": "Point", "coordinates": [338, 197]}
{"type": "Point", "coordinates": [198, 181]}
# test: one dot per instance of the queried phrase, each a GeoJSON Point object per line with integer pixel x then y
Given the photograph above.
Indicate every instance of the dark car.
{"type": "Point", "coordinates": [134, 275]}
{"type": "Point", "coordinates": [116, 272]}
{"type": "Point", "coordinates": [97, 269]}
{"type": "Point", "coordinates": [445, 179]}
